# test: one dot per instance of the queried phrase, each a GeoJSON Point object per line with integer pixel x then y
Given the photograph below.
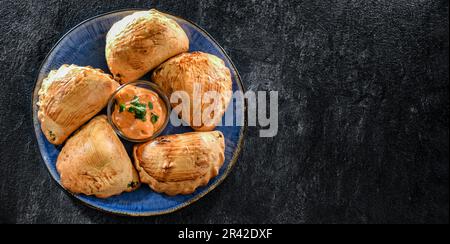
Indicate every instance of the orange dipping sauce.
{"type": "Point", "coordinates": [139, 113]}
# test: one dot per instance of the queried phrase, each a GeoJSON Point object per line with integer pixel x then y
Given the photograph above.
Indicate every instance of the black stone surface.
{"type": "Point", "coordinates": [364, 111]}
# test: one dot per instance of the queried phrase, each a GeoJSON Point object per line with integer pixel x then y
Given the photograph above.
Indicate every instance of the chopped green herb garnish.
{"type": "Point", "coordinates": [52, 135]}
{"type": "Point", "coordinates": [139, 113]}
{"type": "Point", "coordinates": [133, 184]}
{"type": "Point", "coordinates": [154, 118]}
{"type": "Point", "coordinates": [150, 105]}
{"type": "Point", "coordinates": [139, 109]}
{"type": "Point", "coordinates": [136, 102]}
{"type": "Point", "coordinates": [122, 107]}
{"type": "Point", "coordinates": [135, 99]}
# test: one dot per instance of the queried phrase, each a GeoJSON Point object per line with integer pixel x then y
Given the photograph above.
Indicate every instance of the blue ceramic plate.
{"type": "Point", "coordinates": [85, 45]}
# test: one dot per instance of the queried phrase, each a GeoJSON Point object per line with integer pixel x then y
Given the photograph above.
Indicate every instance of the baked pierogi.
{"type": "Point", "coordinates": [94, 162]}
{"type": "Point", "coordinates": [197, 74]}
{"type": "Point", "coordinates": [140, 42]}
{"type": "Point", "coordinates": [69, 97]}
{"type": "Point", "coordinates": [179, 164]}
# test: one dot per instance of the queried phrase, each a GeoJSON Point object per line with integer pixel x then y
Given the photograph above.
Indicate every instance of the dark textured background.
{"type": "Point", "coordinates": [364, 110]}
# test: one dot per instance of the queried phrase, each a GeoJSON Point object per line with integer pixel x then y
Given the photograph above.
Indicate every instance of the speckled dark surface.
{"type": "Point", "coordinates": [364, 110]}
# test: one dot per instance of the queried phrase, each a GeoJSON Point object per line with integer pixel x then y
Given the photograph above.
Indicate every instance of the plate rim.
{"type": "Point", "coordinates": [233, 160]}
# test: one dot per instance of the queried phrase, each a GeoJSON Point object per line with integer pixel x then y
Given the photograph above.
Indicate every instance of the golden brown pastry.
{"type": "Point", "coordinates": [179, 164]}
{"type": "Point", "coordinates": [182, 72]}
{"type": "Point", "coordinates": [140, 42]}
{"type": "Point", "coordinates": [94, 162]}
{"type": "Point", "coordinates": [69, 97]}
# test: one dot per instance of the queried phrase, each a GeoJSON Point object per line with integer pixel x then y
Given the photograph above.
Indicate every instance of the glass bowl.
{"type": "Point", "coordinates": [146, 85]}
